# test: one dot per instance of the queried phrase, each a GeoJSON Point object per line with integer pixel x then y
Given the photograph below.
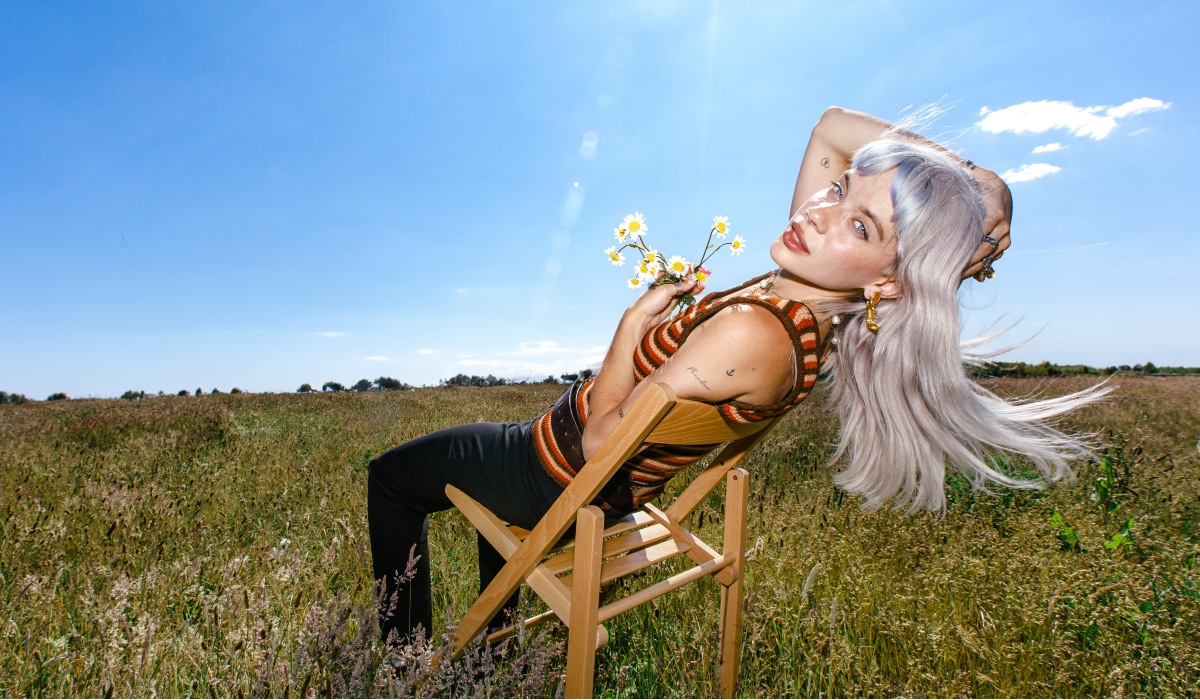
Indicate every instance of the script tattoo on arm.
{"type": "Point", "coordinates": [693, 370]}
{"type": "Point", "coordinates": [620, 412]}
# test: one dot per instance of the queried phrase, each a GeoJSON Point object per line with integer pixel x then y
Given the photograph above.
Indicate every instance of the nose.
{"type": "Point", "coordinates": [818, 215]}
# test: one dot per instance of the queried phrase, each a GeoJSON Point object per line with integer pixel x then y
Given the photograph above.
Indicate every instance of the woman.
{"type": "Point", "coordinates": [884, 227]}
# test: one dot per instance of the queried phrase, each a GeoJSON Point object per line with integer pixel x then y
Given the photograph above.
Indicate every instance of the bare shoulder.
{"type": "Point", "coordinates": [743, 352]}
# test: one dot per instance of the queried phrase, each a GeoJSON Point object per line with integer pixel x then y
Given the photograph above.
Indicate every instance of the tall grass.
{"type": "Point", "coordinates": [216, 546]}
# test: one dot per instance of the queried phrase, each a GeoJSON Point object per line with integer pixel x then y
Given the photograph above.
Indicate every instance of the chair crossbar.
{"type": "Point", "coordinates": [629, 602]}
{"type": "Point", "coordinates": [632, 521]}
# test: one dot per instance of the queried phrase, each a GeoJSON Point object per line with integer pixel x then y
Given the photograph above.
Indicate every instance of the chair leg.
{"type": "Point", "coordinates": [585, 602]}
{"type": "Point", "coordinates": [736, 492]}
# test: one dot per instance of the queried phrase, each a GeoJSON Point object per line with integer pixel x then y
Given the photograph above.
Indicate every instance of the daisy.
{"type": "Point", "coordinates": [646, 270]}
{"type": "Point", "coordinates": [737, 246]}
{"type": "Point", "coordinates": [635, 283]}
{"type": "Point", "coordinates": [702, 274]}
{"type": "Point", "coordinates": [678, 266]}
{"type": "Point", "coordinates": [635, 224]}
{"type": "Point", "coordinates": [720, 225]}
{"type": "Point", "coordinates": [615, 257]}
{"type": "Point", "coordinates": [622, 234]}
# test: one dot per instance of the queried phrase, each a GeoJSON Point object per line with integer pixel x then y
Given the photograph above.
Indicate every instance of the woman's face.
{"type": "Point", "coordinates": [842, 238]}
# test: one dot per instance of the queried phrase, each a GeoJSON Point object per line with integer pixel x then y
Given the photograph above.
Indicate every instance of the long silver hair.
{"type": "Point", "coordinates": [908, 406]}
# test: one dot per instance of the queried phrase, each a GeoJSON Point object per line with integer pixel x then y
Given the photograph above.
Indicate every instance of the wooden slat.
{"type": "Point", "coordinates": [617, 545]}
{"type": "Point", "coordinates": [646, 595]}
{"type": "Point", "coordinates": [696, 423]}
{"type": "Point", "coordinates": [618, 447]}
{"type": "Point", "coordinates": [585, 600]}
{"type": "Point", "coordinates": [697, 549]}
{"type": "Point", "coordinates": [623, 566]}
{"type": "Point", "coordinates": [625, 524]}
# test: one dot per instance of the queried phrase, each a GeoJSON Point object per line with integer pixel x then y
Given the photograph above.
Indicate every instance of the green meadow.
{"type": "Point", "coordinates": [217, 546]}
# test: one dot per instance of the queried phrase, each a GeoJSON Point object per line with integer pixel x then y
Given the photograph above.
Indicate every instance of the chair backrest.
{"type": "Point", "coordinates": [694, 423]}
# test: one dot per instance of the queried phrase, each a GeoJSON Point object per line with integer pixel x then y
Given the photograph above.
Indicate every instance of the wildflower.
{"type": "Point", "coordinates": [621, 233]}
{"type": "Point", "coordinates": [634, 283]}
{"type": "Point", "coordinates": [721, 225]}
{"type": "Point", "coordinates": [737, 246]}
{"type": "Point", "coordinates": [702, 274]}
{"type": "Point", "coordinates": [678, 266]}
{"type": "Point", "coordinates": [615, 257]}
{"type": "Point", "coordinates": [635, 224]}
{"type": "Point", "coordinates": [645, 270]}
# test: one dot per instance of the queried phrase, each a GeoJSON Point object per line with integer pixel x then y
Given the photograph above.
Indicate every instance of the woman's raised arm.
{"type": "Point", "coordinates": [840, 132]}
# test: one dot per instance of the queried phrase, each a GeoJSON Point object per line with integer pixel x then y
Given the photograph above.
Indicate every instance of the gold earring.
{"type": "Point", "coordinates": [872, 319]}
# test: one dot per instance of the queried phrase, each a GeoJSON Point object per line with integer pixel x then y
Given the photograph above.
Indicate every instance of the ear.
{"type": "Point", "coordinates": [887, 288]}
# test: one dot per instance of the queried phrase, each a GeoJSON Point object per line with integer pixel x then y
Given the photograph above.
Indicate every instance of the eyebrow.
{"type": "Point", "coordinates": [863, 209]}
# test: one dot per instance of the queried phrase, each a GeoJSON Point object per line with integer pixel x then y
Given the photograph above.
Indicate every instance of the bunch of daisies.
{"type": "Point", "coordinates": [654, 267]}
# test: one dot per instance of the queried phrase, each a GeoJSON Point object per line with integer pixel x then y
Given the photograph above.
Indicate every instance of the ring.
{"type": "Point", "coordinates": [987, 270]}
{"type": "Point", "coordinates": [678, 287]}
{"type": "Point", "coordinates": [994, 243]}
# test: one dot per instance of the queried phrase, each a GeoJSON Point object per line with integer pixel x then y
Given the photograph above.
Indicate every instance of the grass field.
{"type": "Point", "coordinates": [215, 546]}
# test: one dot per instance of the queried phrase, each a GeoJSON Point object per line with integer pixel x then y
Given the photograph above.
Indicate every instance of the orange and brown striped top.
{"type": "Point", "coordinates": [558, 433]}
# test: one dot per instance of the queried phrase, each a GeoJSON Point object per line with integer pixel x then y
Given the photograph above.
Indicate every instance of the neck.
{"type": "Point", "coordinates": [790, 286]}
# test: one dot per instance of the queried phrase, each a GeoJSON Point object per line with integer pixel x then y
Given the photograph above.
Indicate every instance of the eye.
{"type": "Point", "coordinates": [861, 228]}
{"type": "Point", "coordinates": [837, 189]}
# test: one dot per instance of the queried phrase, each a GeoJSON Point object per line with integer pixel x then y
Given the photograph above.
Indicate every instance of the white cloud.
{"type": "Point", "coordinates": [331, 334]}
{"type": "Point", "coordinates": [1029, 172]}
{"type": "Point", "coordinates": [1138, 106]}
{"type": "Point", "coordinates": [1043, 115]}
{"type": "Point", "coordinates": [427, 351]}
{"type": "Point", "coordinates": [1048, 148]}
{"type": "Point", "coordinates": [375, 358]}
{"type": "Point", "coordinates": [1139, 132]}
{"type": "Point", "coordinates": [536, 359]}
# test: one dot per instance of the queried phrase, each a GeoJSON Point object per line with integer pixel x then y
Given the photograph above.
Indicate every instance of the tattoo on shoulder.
{"type": "Point", "coordinates": [694, 371]}
{"type": "Point", "coordinates": [729, 373]}
{"type": "Point", "coordinates": [825, 162]}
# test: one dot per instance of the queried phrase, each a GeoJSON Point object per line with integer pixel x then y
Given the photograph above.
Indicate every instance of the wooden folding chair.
{"type": "Point", "coordinates": [598, 555]}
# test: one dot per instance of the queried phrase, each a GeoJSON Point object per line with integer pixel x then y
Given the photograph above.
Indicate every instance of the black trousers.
{"type": "Point", "coordinates": [493, 463]}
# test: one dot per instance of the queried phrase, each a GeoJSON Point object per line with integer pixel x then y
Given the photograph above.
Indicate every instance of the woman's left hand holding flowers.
{"type": "Point", "coordinates": [660, 300]}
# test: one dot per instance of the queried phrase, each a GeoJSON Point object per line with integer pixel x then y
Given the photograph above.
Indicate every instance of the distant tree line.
{"type": "Point", "coordinates": [1045, 369]}
{"type": "Point", "coordinates": [381, 384]}
{"type": "Point", "coordinates": [491, 380]}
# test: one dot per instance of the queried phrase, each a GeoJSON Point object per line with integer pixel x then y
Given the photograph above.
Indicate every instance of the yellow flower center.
{"type": "Point", "coordinates": [635, 226]}
{"type": "Point", "coordinates": [720, 227]}
{"type": "Point", "coordinates": [737, 244]}
{"type": "Point", "coordinates": [613, 255]}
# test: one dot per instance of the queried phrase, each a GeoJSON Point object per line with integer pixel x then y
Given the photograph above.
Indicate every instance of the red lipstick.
{"type": "Point", "coordinates": [793, 238]}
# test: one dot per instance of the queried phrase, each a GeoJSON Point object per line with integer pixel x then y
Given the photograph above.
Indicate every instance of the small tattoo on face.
{"type": "Point", "coordinates": [693, 370]}
{"type": "Point", "coordinates": [825, 162]}
{"type": "Point", "coordinates": [729, 373]}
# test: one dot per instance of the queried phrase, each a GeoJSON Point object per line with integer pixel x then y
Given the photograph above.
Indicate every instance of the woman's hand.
{"type": "Point", "coordinates": [653, 307]}
{"type": "Point", "coordinates": [996, 223]}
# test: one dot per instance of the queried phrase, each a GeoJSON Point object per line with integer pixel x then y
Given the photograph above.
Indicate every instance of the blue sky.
{"type": "Point", "coordinates": [263, 194]}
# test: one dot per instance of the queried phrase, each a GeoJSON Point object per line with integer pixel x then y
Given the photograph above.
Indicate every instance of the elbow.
{"type": "Point", "coordinates": [828, 118]}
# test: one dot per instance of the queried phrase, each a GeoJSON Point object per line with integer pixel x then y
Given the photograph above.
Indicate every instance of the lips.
{"type": "Point", "coordinates": [793, 238]}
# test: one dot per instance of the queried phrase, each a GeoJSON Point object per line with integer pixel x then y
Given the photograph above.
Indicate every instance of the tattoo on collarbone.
{"type": "Point", "coordinates": [825, 162]}
{"type": "Point", "coordinates": [729, 373]}
{"type": "Point", "coordinates": [694, 371]}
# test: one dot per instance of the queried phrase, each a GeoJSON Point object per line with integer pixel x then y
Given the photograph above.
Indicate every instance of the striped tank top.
{"type": "Point", "coordinates": [558, 433]}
